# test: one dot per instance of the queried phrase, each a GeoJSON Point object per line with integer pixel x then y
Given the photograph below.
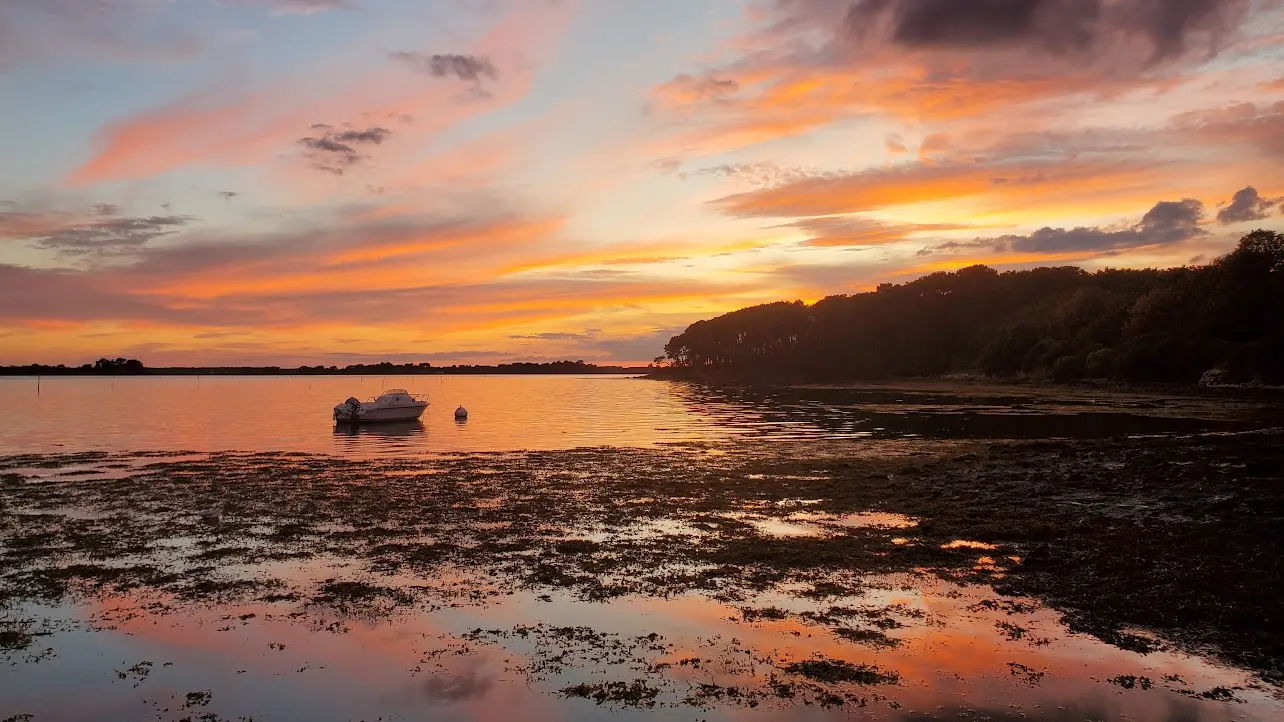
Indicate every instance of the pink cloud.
{"type": "Point", "coordinates": [213, 128]}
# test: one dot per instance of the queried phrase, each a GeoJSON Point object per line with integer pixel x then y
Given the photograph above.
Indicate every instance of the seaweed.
{"type": "Point", "coordinates": [837, 671]}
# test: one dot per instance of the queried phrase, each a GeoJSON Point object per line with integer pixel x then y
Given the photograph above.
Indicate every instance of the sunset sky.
{"type": "Point", "coordinates": [477, 181]}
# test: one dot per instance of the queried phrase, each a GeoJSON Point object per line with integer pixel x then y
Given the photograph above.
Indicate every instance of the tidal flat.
{"type": "Point", "coordinates": [1121, 578]}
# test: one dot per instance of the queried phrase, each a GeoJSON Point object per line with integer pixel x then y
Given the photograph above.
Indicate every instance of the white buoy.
{"type": "Point", "coordinates": [461, 413]}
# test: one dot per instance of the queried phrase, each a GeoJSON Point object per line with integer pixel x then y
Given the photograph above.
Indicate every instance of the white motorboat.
{"type": "Point", "coordinates": [392, 405]}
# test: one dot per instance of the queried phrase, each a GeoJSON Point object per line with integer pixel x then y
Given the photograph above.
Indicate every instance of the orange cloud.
{"type": "Point", "coordinates": [640, 254]}
{"type": "Point", "coordinates": [507, 233]}
{"type": "Point", "coordinates": [1260, 129]}
{"type": "Point", "coordinates": [195, 129]}
{"type": "Point", "coordinates": [386, 258]}
{"type": "Point", "coordinates": [808, 66]}
{"type": "Point", "coordinates": [783, 101]}
{"type": "Point", "coordinates": [920, 183]}
{"type": "Point", "coordinates": [384, 283]}
{"type": "Point", "coordinates": [841, 231]}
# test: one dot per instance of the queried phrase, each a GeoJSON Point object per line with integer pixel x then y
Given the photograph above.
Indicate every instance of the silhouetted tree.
{"type": "Point", "coordinates": [118, 366]}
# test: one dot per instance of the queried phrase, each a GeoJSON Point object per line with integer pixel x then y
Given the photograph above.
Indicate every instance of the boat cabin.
{"type": "Point", "coordinates": [395, 397]}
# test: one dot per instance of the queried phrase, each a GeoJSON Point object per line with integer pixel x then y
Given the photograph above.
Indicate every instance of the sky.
{"type": "Point", "coordinates": [324, 182]}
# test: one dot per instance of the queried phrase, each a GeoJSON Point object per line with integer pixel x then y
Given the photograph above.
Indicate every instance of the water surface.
{"type": "Point", "coordinates": [281, 413]}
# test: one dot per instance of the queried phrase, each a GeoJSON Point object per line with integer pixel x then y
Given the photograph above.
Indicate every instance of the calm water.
{"type": "Point", "coordinates": [535, 412]}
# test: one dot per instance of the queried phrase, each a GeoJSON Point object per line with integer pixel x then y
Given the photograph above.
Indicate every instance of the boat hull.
{"type": "Point", "coordinates": [392, 405]}
{"type": "Point", "coordinates": [381, 415]}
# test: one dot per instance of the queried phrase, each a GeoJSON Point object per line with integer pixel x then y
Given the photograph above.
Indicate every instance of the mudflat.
{"type": "Point", "coordinates": [809, 573]}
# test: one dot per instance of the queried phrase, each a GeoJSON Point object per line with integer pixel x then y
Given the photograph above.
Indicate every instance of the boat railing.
{"type": "Point", "coordinates": [395, 392]}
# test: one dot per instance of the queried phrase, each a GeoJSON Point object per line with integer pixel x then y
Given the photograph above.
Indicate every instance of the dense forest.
{"type": "Point", "coordinates": [134, 367]}
{"type": "Point", "coordinates": [1224, 319]}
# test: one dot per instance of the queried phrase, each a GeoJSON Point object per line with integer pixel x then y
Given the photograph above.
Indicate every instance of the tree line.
{"type": "Point", "coordinates": [101, 367]}
{"type": "Point", "coordinates": [1060, 324]}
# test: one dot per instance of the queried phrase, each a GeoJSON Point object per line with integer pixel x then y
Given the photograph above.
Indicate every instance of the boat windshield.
{"type": "Point", "coordinates": [392, 392]}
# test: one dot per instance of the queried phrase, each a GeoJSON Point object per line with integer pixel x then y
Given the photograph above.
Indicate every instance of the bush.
{"type": "Point", "coordinates": [1068, 368]}
{"type": "Point", "coordinates": [1100, 364]}
{"type": "Point", "coordinates": [1044, 354]}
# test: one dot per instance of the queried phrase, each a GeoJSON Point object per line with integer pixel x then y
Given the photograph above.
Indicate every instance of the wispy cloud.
{"type": "Point", "coordinates": [851, 231]}
{"type": "Point", "coordinates": [879, 188]}
{"type": "Point", "coordinates": [557, 336]}
{"type": "Point", "coordinates": [686, 89]}
{"type": "Point", "coordinates": [762, 173]}
{"type": "Point", "coordinates": [296, 7]}
{"type": "Point", "coordinates": [1259, 128]}
{"type": "Point", "coordinates": [96, 236]}
{"type": "Point", "coordinates": [471, 68]}
{"type": "Point", "coordinates": [332, 150]}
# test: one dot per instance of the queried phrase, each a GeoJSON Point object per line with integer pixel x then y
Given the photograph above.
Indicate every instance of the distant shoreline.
{"type": "Point", "coordinates": [955, 382]}
{"type": "Point", "coordinates": [233, 372]}
{"type": "Point", "coordinates": [559, 369]}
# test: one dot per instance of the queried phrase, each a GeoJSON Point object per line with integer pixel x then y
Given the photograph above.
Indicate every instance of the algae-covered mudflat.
{"type": "Point", "coordinates": [1128, 577]}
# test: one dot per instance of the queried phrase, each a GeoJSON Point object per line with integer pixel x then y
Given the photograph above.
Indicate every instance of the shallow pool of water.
{"type": "Point", "coordinates": [946, 652]}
